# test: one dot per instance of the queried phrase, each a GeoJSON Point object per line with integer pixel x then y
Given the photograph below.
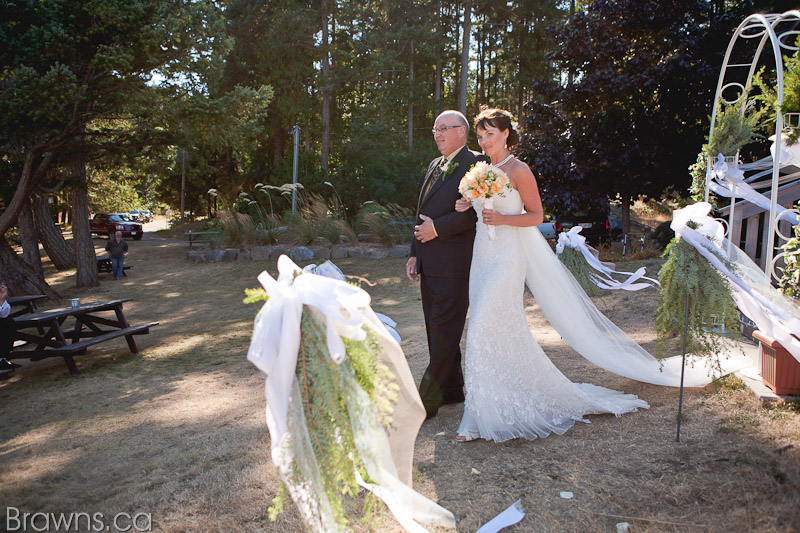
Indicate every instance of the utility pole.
{"type": "Point", "coordinates": [183, 179]}
{"type": "Point", "coordinates": [296, 132]}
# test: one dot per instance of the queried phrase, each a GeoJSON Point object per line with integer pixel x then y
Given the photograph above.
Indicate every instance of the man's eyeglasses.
{"type": "Point", "coordinates": [442, 129]}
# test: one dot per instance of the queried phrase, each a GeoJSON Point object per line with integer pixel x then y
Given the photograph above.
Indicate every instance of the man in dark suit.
{"type": "Point", "coordinates": [441, 254]}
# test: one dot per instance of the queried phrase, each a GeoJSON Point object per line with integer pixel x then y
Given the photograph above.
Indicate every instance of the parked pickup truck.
{"type": "Point", "coordinates": [108, 223]}
{"type": "Point", "coordinates": [550, 229]}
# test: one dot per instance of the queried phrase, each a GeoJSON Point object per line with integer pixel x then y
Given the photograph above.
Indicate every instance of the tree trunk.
{"type": "Point", "coordinates": [277, 148]}
{"type": "Point", "coordinates": [30, 245]}
{"type": "Point", "coordinates": [437, 88]}
{"type": "Point", "coordinates": [481, 89]}
{"type": "Point", "coordinates": [411, 100]}
{"type": "Point", "coordinates": [60, 253]}
{"type": "Point", "coordinates": [626, 214]}
{"type": "Point", "coordinates": [19, 276]}
{"type": "Point", "coordinates": [85, 259]}
{"type": "Point", "coordinates": [325, 89]}
{"type": "Point", "coordinates": [462, 93]}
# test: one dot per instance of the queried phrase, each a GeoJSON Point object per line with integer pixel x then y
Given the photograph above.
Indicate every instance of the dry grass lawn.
{"type": "Point", "coordinates": [179, 430]}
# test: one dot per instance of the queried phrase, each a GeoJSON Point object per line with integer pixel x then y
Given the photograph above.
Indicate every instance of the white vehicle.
{"type": "Point", "coordinates": [550, 229]}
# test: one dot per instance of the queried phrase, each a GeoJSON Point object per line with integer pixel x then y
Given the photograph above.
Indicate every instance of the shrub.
{"type": "Point", "coordinates": [388, 225]}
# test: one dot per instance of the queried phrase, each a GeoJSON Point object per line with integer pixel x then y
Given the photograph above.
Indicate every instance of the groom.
{"type": "Point", "coordinates": [441, 254]}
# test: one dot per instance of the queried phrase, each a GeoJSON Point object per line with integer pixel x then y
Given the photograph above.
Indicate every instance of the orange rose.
{"type": "Point", "coordinates": [496, 186]}
{"type": "Point", "coordinates": [482, 188]}
{"type": "Point", "coordinates": [471, 182]}
{"type": "Point", "coordinates": [475, 194]}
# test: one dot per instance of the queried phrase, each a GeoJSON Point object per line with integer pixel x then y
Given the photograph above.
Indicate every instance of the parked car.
{"type": "Point", "coordinates": [108, 223]}
{"type": "Point", "coordinates": [595, 224]}
{"type": "Point", "coordinates": [134, 214]}
{"type": "Point", "coordinates": [145, 215]}
{"type": "Point", "coordinates": [550, 229]}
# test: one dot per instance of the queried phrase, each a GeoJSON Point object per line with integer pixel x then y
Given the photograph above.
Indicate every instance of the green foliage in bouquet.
{"type": "Point", "coordinates": [323, 389]}
{"type": "Point", "coordinates": [790, 279]}
{"type": "Point", "coordinates": [710, 302]}
{"type": "Point", "coordinates": [580, 269]}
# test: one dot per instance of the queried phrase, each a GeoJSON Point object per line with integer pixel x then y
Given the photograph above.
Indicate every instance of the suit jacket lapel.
{"type": "Point", "coordinates": [440, 182]}
{"type": "Point", "coordinates": [434, 174]}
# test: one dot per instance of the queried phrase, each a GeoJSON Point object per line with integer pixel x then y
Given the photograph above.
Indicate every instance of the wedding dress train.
{"type": "Point", "coordinates": [513, 389]}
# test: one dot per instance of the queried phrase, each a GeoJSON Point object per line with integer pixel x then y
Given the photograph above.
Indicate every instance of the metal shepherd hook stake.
{"type": "Point", "coordinates": [683, 362]}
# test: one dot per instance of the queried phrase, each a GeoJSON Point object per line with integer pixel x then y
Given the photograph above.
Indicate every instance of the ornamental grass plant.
{"type": "Point", "coordinates": [389, 225]}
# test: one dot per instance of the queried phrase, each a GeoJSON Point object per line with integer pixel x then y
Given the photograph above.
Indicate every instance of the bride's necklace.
{"type": "Point", "coordinates": [504, 161]}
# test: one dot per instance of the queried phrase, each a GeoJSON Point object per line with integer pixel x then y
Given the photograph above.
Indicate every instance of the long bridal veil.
{"type": "Point", "coordinates": [570, 311]}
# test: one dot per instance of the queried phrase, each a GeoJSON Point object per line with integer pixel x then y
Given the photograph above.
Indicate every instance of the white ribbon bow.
{"type": "Point", "coordinates": [574, 239]}
{"type": "Point", "coordinates": [728, 181]}
{"type": "Point", "coordinates": [276, 334]}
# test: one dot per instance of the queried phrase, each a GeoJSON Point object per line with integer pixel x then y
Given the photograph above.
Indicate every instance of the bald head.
{"type": "Point", "coordinates": [450, 131]}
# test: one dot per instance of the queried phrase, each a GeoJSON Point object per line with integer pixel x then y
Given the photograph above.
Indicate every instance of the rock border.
{"type": "Point", "coordinates": [297, 253]}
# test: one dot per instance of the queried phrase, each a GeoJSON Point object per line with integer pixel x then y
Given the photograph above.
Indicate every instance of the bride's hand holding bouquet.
{"type": "Point", "coordinates": [483, 181]}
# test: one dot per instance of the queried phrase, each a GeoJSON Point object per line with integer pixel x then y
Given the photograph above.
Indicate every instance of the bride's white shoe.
{"type": "Point", "coordinates": [466, 438]}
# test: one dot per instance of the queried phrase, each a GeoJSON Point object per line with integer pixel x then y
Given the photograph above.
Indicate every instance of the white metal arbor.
{"type": "Point", "coordinates": [755, 37]}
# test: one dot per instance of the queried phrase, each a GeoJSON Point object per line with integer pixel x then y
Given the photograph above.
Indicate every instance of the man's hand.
{"type": "Point", "coordinates": [425, 232]}
{"type": "Point", "coordinates": [411, 269]}
{"type": "Point", "coordinates": [3, 292]}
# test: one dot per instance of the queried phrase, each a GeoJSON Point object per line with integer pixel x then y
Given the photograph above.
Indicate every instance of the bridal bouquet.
{"type": "Point", "coordinates": [484, 181]}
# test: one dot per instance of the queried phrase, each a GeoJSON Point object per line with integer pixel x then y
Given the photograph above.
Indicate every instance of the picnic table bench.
{"type": "Point", "coordinates": [42, 335]}
{"type": "Point", "coordinates": [198, 237]}
{"type": "Point", "coordinates": [26, 302]}
{"type": "Point", "coordinates": [104, 265]}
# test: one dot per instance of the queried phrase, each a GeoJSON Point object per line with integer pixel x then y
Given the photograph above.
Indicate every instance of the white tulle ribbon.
{"type": "Point", "coordinates": [387, 454]}
{"type": "Point", "coordinates": [590, 333]}
{"type": "Point", "coordinates": [790, 154]}
{"type": "Point", "coordinates": [330, 270]}
{"type": "Point", "coordinates": [276, 333]}
{"type": "Point", "coordinates": [603, 279]}
{"type": "Point", "coordinates": [489, 204]}
{"type": "Point", "coordinates": [757, 300]}
{"type": "Point", "coordinates": [728, 181]}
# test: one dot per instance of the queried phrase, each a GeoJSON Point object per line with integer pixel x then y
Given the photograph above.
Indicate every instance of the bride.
{"type": "Point", "coordinates": [512, 388]}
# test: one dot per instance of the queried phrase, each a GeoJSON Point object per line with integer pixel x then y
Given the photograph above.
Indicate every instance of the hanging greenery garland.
{"type": "Point", "coordinates": [324, 391]}
{"type": "Point", "coordinates": [712, 316]}
{"type": "Point", "coordinates": [580, 269]}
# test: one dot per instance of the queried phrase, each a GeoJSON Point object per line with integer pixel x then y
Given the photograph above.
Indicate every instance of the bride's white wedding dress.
{"type": "Point", "coordinates": [512, 387]}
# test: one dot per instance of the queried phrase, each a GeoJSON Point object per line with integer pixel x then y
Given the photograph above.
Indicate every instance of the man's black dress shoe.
{"type": "Point", "coordinates": [5, 364]}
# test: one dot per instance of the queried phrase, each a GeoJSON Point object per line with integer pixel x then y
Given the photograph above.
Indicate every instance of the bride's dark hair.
{"type": "Point", "coordinates": [500, 119]}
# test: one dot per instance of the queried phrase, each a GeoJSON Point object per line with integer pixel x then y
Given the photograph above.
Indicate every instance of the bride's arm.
{"type": "Point", "coordinates": [523, 180]}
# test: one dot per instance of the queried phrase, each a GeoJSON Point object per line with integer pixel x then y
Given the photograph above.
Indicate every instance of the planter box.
{"type": "Point", "coordinates": [779, 370]}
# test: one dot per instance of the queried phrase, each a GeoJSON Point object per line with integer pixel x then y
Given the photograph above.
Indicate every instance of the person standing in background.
{"type": "Point", "coordinates": [117, 247]}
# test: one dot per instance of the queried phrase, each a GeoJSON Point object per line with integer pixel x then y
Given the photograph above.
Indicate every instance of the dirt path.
{"type": "Point", "coordinates": [178, 431]}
